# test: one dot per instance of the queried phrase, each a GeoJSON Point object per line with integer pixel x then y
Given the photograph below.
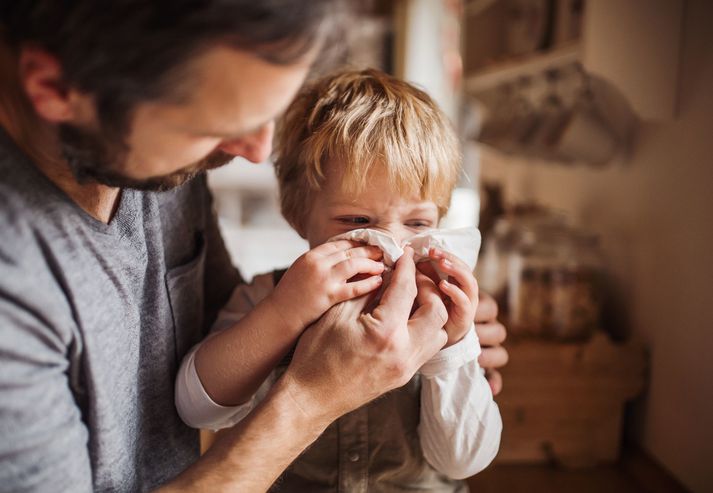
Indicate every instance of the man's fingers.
{"type": "Point", "coordinates": [429, 270]}
{"type": "Point", "coordinates": [493, 357]}
{"type": "Point", "coordinates": [487, 308]}
{"type": "Point", "coordinates": [490, 334]}
{"type": "Point", "coordinates": [427, 321]}
{"type": "Point", "coordinates": [495, 379]}
{"type": "Point", "coordinates": [426, 329]}
{"type": "Point", "coordinates": [425, 289]}
{"type": "Point", "coordinates": [399, 295]}
{"type": "Point", "coordinates": [350, 309]}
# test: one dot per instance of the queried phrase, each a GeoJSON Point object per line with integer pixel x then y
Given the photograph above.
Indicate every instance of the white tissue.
{"type": "Point", "coordinates": [464, 243]}
{"type": "Point", "coordinates": [392, 250]}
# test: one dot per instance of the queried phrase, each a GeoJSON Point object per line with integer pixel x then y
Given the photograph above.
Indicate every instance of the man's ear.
{"type": "Point", "coordinates": [40, 75]}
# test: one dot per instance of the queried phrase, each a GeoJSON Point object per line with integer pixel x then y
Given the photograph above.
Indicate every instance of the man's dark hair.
{"type": "Point", "coordinates": [124, 52]}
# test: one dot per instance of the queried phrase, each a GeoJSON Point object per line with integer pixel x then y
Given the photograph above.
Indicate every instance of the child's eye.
{"type": "Point", "coordinates": [353, 220]}
{"type": "Point", "coordinates": [417, 223]}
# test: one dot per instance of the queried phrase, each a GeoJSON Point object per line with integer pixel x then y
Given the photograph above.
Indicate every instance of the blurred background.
{"type": "Point", "coordinates": [587, 134]}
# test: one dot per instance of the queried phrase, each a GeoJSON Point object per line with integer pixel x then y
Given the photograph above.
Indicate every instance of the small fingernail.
{"type": "Point", "coordinates": [446, 263]}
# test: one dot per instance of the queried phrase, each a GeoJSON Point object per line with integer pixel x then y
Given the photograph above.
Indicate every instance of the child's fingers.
{"type": "Point", "coordinates": [355, 289]}
{"type": "Point", "coordinates": [460, 272]}
{"type": "Point", "coordinates": [439, 255]}
{"type": "Point", "coordinates": [331, 247]}
{"type": "Point", "coordinates": [463, 278]}
{"type": "Point", "coordinates": [365, 251]}
{"type": "Point", "coordinates": [461, 302]}
{"type": "Point", "coordinates": [343, 249]}
{"type": "Point", "coordinates": [357, 265]}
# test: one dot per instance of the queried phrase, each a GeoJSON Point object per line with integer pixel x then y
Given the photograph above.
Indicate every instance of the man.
{"type": "Point", "coordinates": [111, 265]}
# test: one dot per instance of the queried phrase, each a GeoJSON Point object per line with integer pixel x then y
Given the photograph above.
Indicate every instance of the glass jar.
{"type": "Point", "coordinates": [577, 291]}
{"type": "Point", "coordinates": [531, 269]}
{"type": "Point", "coordinates": [510, 235]}
{"type": "Point", "coordinates": [553, 284]}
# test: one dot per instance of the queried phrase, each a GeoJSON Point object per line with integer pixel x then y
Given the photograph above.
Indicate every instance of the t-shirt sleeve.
{"type": "Point", "coordinates": [43, 439]}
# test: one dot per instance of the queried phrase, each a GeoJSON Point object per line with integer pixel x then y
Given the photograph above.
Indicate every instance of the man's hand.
{"type": "Point", "coordinates": [319, 279]}
{"type": "Point", "coordinates": [349, 357]}
{"type": "Point", "coordinates": [344, 360]}
{"type": "Point", "coordinates": [491, 334]}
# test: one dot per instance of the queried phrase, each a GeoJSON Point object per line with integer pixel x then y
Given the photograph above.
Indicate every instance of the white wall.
{"type": "Point", "coordinates": [655, 212]}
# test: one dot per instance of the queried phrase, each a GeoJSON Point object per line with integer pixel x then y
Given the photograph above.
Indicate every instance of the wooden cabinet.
{"type": "Point", "coordinates": [564, 403]}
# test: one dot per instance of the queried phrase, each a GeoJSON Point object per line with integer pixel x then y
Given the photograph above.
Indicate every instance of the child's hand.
{"type": "Point", "coordinates": [460, 290]}
{"type": "Point", "coordinates": [319, 279]}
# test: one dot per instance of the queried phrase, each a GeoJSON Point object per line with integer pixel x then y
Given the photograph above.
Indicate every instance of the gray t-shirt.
{"type": "Point", "coordinates": [94, 321]}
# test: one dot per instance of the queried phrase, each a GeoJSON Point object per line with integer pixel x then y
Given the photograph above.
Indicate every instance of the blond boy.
{"type": "Point", "coordinates": [356, 150]}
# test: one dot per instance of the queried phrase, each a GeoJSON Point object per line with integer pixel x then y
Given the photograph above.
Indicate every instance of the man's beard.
{"type": "Point", "coordinates": [93, 157]}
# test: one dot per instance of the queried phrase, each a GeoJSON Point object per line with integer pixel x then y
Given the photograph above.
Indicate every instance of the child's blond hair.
{"type": "Point", "coordinates": [364, 120]}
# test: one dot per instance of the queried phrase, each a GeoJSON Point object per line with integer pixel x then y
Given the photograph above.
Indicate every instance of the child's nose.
{"type": "Point", "coordinates": [398, 232]}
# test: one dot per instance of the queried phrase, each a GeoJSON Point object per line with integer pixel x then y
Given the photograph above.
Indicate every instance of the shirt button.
{"type": "Point", "coordinates": [354, 456]}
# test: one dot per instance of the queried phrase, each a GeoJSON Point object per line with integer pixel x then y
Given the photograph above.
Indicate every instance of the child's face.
{"type": "Point", "coordinates": [378, 207]}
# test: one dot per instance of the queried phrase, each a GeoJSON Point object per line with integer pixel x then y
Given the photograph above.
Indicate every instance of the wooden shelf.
{"type": "Point", "coordinates": [515, 68]}
{"type": "Point", "coordinates": [632, 46]}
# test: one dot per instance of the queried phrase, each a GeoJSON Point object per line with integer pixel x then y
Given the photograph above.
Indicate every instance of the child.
{"type": "Point", "coordinates": [356, 150]}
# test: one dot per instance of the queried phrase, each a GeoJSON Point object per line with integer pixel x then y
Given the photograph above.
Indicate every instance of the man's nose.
{"type": "Point", "coordinates": [255, 147]}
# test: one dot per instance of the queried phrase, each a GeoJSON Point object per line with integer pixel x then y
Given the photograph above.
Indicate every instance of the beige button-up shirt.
{"type": "Point", "coordinates": [375, 448]}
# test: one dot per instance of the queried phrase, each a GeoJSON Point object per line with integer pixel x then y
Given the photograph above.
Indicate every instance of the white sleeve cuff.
{"type": "Point", "coordinates": [194, 405]}
{"type": "Point", "coordinates": [453, 357]}
{"type": "Point", "coordinates": [460, 424]}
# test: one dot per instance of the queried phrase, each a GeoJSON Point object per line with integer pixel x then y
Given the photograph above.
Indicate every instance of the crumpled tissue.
{"type": "Point", "coordinates": [464, 243]}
